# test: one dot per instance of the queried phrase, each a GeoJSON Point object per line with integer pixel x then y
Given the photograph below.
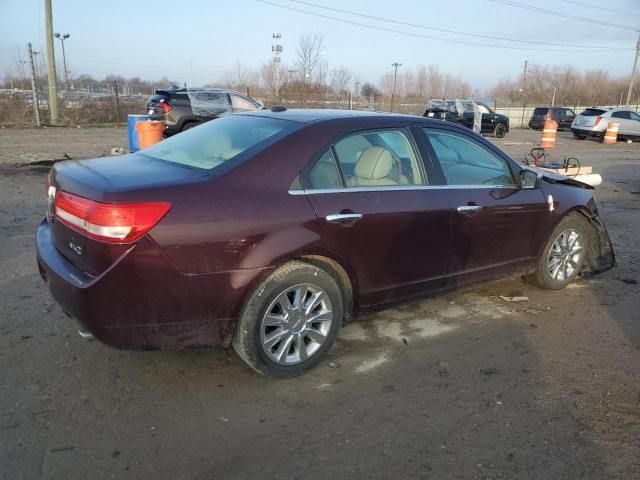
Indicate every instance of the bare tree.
{"type": "Point", "coordinates": [340, 79]}
{"type": "Point", "coordinates": [309, 54]}
{"type": "Point", "coordinates": [273, 75]}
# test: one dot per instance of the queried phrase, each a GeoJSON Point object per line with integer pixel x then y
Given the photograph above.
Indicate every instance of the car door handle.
{"type": "Point", "coordinates": [469, 208]}
{"type": "Point", "coordinates": [343, 217]}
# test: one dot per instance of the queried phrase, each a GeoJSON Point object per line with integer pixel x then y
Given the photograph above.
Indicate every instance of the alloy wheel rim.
{"type": "Point", "coordinates": [500, 130]}
{"type": "Point", "coordinates": [565, 255]}
{"type": "Point", "coordinates": [296, 324]}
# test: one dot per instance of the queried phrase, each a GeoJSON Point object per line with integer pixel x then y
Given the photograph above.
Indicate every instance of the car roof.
{"type": "Point", "coordinates": [174, 89]}
{"type": "Point", "coordinates": [309, 115]}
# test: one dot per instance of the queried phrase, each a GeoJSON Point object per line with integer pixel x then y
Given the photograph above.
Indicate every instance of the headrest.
{"type": "Point", "coordinates": [374, 163]}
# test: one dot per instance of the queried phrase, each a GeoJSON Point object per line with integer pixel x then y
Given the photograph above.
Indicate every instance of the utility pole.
{"type": "Point", "coordinates": [51, 64]}
{"type": "Point", "coordinates": [34, 92]}
{"type": "Point", "coordinates": [357, 84]}
{"type": "Point", "coordinates": [115, 90]}
{"type": "Point", "coordinates": [523, 89]}
{"type": "Point", "coordinates": [633, 72]}
{"type": "Point", "coordinates": [395, 66]}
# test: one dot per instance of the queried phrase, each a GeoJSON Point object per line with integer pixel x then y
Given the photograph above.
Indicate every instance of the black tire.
{"type": "Point", "coordinates": [189, 125]}
{"type": "Point", "coordinates": [247, 340]}
{"type": "Point", "coordinates": [579, 136]}
{"type": "Point", "coordinates": [542, 277]}
{"type": "Point", "coordinates": [500, 130]}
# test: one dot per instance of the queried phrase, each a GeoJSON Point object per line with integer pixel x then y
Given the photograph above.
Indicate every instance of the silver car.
{"type": "Point", "coordinates": [593, 122]}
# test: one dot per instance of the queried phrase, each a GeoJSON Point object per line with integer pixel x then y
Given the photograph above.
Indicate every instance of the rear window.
{"type": "Point", "coordinates": [540, 111]}
{"type": "Point", "coordinates": [157, 98]}
{"type": "Point", "coordinates": [211, 144]}
{"type": "Point", "coordinates": [592, 112]}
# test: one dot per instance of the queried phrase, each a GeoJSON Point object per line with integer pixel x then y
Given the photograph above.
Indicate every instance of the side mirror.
{"type": "Point", "coordinates": [529, 179]}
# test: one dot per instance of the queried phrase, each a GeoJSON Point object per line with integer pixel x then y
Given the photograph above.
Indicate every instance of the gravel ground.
{"type": "Point", "coordinates": [458, 386]}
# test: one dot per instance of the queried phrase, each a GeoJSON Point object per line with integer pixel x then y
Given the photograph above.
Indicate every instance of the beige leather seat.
{"type": "Point", "coordinates": [374, 167]}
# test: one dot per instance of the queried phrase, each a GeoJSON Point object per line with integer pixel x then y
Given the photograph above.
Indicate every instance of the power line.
{"type": "Point", "coordinates": [582, 4]}
{"type": "Point", "coordinates": [524, 6]}
{"type": "Point", "coordinates": [415, 25]}
{"type": "Point", "coordinates": [429, 37]}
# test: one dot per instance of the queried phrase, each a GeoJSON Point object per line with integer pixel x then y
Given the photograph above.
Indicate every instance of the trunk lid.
{"type": "Point", "coordinates": [127, 179]}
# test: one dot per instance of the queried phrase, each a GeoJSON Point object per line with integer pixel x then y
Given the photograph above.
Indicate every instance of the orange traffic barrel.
{"type": "Point", "coordinates": [549, 132]}
{"type": "Point", "coordinates": [611, 135]}
{"type": "Point", "coordinates": [149, 132]}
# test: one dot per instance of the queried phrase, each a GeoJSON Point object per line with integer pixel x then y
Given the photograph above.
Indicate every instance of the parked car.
{"type": "Point", "coordinates": [183, 108]}
{"type": "Point", "coordinates": [563, 115]}
{"type": "Point", "coordinates": [462, 112]}
{"type": "Point", "coordinates": [267, 230]}
{"type": "Point", "coordinates": [593, 122]}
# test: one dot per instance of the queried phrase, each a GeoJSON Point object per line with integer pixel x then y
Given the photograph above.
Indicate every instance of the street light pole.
{"type": "Point", "coordinates": [395, 66]}
{"type": "Point", "coordinates": [62, 38]}
{"type": "Point", "coordinates": [633, 72]}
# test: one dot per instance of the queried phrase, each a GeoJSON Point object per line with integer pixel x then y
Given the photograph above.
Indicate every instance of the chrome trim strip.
{"type": "Point", "coordinates": [393, 188]}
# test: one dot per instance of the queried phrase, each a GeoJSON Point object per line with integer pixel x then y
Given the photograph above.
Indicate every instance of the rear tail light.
{"type": "Point", "coordinates": [110, 222]}
{"type": "Point", "coordinates": [165, 107]}
{"type": "Point", "coordinates": [597, 121]}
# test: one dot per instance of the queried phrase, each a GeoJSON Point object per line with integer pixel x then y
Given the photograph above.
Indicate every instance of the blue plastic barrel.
{"type": "Point", "coordinates": [134, 141]}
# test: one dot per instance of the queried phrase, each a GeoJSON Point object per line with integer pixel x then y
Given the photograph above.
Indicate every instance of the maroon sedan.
{"type": "Point", "coordinates": [268, 230]}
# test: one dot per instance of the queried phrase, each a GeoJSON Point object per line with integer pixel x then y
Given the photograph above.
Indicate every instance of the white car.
{"type": "Point", "coordinates": [593, 122]}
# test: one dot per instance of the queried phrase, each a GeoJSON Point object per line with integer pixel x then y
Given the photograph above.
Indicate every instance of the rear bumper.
{"type": "Point", "coordinates": [142, 302]}
{"type": "Point", "coordinates": [588, 132]}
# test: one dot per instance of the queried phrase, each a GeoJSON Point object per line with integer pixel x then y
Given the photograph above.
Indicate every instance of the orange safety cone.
{"type": "Point", "coordinates": [149, 132]}
{"type": "Point", "coordinates": [549, 132]}
{"type": "Point", "coordinates": [611, 135]}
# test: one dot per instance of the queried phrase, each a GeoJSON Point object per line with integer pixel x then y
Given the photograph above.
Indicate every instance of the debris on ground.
{"type": "Point", "coordinates": [630, 281]}
{"type": "Point", "coordinates": [514, 298]}
{"type": "Point", "coordinates": [443, 369]}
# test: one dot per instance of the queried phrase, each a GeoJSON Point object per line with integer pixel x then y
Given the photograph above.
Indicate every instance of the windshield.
{"type": "Point", "coordinates": [213, 143]}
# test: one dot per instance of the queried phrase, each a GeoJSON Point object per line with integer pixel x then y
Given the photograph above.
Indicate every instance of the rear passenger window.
{"type": "Point", "coordinates": [384, 158]}
{"type": "Point", "coordinates": [465, 161]}
{"type": "Point", "coordinates": [324, 173]}
{"type": "Point", "coordinates": [623, 115]}
{"type": "Point", "coordinates": [378, 158]}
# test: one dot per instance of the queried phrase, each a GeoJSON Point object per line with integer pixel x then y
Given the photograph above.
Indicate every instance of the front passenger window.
{"type": "Point", "coordinates": [465, 161]}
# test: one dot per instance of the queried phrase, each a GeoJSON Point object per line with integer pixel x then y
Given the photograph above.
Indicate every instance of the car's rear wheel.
{"type": "Point", "coordinates": [290, 321]}
{"type": "Point", "coordinates": [579, 136]}
{"type": "Point", "coordinates": [500, 130]}
{"type": "Point", "coordinates": [189, 125]}
{"type": "Point", "coordinates": [564, 254]}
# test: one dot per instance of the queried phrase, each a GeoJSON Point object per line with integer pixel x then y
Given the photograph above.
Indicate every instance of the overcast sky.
{"type": "Point", "coordinates": [151, 39]}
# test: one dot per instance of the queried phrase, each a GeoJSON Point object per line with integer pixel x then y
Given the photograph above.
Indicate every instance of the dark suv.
{"type": "Point", "coordinates": [462, 112]}
{"type": "Point", "coordinates": [183, 108]}
{"type": "Point", "coordinates": [563, 115]}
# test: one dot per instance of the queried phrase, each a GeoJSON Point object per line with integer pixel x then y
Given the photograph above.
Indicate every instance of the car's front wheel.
{"type": "Point", "coordinates": [290, 321]}
{"type": "Point", "coordinates": [500, 130]}
{"type": "Point", "coordinates": [564, 254]}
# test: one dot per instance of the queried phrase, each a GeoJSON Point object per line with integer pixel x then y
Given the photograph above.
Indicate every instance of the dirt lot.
{"type": "Point", "coordinates": [461, 386]}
